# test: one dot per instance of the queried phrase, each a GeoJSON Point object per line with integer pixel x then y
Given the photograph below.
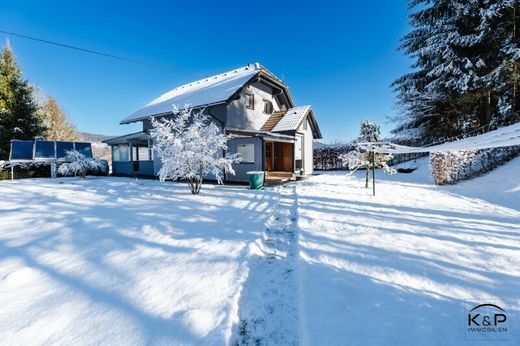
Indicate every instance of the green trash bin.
{"type": "Point", "coordinates": [256, 180]}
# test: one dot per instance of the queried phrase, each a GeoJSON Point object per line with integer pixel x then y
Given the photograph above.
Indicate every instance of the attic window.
{"type": "Point", "coordinates": [250, 98]}
{"type": "Point", "coordinates": [268, 107]}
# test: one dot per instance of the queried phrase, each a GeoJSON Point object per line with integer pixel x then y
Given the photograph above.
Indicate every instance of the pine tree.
{"type": "Point", "coordinates": [19, 116]}
{"type": "Point", "coordinates": [465, 53]}
{"type": "Point", "coordinates": [56, 122]}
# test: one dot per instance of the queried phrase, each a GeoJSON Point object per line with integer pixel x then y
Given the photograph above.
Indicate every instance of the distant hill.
{"type": "Point", "coordinates": [93, 137]}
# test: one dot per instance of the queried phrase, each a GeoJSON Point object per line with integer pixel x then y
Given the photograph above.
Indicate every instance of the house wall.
{"type": "Point", "coordinates": [241, 169]}
{"type": "Point", "coordinates": [308, 146]}
{"type": "Point", "coordinates": [241, 117]}
{"type": "Point", "coordinates": [126, 168]}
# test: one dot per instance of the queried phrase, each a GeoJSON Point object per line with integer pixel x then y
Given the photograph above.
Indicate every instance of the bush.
{"type": "Point", "coordinates": [24, 170]}
{"type": "Point", "coordinates": [451, 167]}
{"type": "Point", "coordinates": [79, 165]}
{"type": "Point", "coordinates": [42, 169]}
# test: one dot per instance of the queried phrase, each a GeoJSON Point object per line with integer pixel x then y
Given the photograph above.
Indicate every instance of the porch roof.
{"type": "Point", "coordinates": [134, 138]}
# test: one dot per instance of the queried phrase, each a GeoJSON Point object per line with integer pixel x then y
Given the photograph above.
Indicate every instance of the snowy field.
{"type": "Point", "coordinates": [115, 261]}
{"type": "Point", "coordinates": [318, 262]}
{"type": "Point", "coordinates": [398, 268]}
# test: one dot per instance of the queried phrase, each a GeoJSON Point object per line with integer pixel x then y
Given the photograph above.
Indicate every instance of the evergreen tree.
{"type": "Point", "coordinates": [464, 54]}
{"type": "Point", "coordinates": [56, 122]}
{"type": "Point", "coordinates": [19, 116]}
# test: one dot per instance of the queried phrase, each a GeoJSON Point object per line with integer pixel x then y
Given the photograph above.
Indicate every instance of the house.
{"type": "Point", "coordinates": [251, 104]}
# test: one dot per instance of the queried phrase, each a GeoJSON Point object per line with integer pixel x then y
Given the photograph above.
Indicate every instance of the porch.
{"type": "Point", "coordinates": [132, 155]}
{"type": "Point", "coordinates": [283, 159]}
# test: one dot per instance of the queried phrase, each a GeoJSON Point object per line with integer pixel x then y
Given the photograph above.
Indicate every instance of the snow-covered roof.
{"type": "Point", "coordinates": [292, 119]}
{"type": "Point", "coordinates": [203, 92]}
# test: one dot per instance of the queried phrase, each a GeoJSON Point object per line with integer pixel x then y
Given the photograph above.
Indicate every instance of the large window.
{"type": "Point", "coordinates": [120, 152]}
{"type": "Point", "coordinates": [246, 152]}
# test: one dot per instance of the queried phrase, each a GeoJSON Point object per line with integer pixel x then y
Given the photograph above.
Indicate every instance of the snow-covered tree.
{"type": "Point", "coordinates": [465, 66]}
{"type": "Point", "coordinates": [362, 158]}
{"type": "Point", "coordinates": [191, 147]}
{"type": "Point", "coordinates": [78, 164]}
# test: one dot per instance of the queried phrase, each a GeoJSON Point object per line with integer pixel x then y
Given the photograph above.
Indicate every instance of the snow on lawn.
{"type": "Point", "coordinates": [398, 268]}
{"type": "Point", "coordinates": [118, 261]}
{"type": "Point", "coordinates": [317, 262]}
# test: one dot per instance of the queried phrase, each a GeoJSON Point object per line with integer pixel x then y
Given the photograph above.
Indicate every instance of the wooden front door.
{"type": "Point", "coordinates": [283, 157]}
{"type": "Point", "coordinates": [268, 156]}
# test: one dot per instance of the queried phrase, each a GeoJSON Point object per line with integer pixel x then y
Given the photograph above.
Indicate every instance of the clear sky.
{"type": "Point", "coordinates": [338, 56]}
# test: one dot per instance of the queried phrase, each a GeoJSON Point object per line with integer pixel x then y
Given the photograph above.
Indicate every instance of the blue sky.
{"type": "Point", "coordinates": [338, 56]}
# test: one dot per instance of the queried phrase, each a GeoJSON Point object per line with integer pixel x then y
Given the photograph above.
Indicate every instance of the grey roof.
{"type": "Point", "coordinates": [207, 91]}
{"type": "Point", "coordinates": [140, 136]}
{"type": "Point", "coordinates": [292, 119]}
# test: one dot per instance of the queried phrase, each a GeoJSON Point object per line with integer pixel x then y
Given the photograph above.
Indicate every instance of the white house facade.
{"type": "Point", "coordinates": [250, 104]}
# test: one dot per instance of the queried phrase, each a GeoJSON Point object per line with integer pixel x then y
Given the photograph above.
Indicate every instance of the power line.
{"type": "Point", "coordinates": [107, 55]}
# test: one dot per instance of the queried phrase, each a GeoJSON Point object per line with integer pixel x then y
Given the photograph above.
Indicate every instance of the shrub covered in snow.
{"type": "Point", "coordinates": [452, 167]}
{"type": "Point", "coordinates": [190, 147]}
{"type": "Point", "coordinates": [78, 165]}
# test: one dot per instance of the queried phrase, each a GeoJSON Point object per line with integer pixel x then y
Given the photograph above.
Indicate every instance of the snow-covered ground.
{"type": "Point", "coordinates": [115, 261]}
{"type": "Point", "coordinates": [317, 262]}
{"type": "Point", "coordinates": [398, 268]}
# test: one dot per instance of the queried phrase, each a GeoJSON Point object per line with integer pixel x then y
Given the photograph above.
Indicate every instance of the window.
{"type": "Point", "coordinates": [115, 153]}
{"type": "Point", "coordinates": [140, 153]}
{"type": "Point", "coordinates": [305, 124]}
{"type": "Point", "coordinates": [246, 152]}
{"type": "Point", "coordinates": [250, 100]}
{"type": "Point", "coordinates": [144, 154]}
{"type": "Point", "coordinates": [120, 152]}
{"type": "Point", "coordinates": [298, 148]}
{"type": "Point", "coordinates": [268, 107]}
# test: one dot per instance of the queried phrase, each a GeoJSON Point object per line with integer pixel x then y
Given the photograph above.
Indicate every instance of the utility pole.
{"type": "Point", "coordinates": [373, 173]}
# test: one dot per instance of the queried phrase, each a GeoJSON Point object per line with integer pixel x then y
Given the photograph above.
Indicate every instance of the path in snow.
{"type": "Point", "coordinates": [397, 268]}
{"type": "Point", "coordinates": [268, 311]}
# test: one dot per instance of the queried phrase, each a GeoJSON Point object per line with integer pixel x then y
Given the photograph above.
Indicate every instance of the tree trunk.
{"type": "Point", "coordinates": [485, 108]}
{"type": "Point", "coordinates": [195, 185]}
